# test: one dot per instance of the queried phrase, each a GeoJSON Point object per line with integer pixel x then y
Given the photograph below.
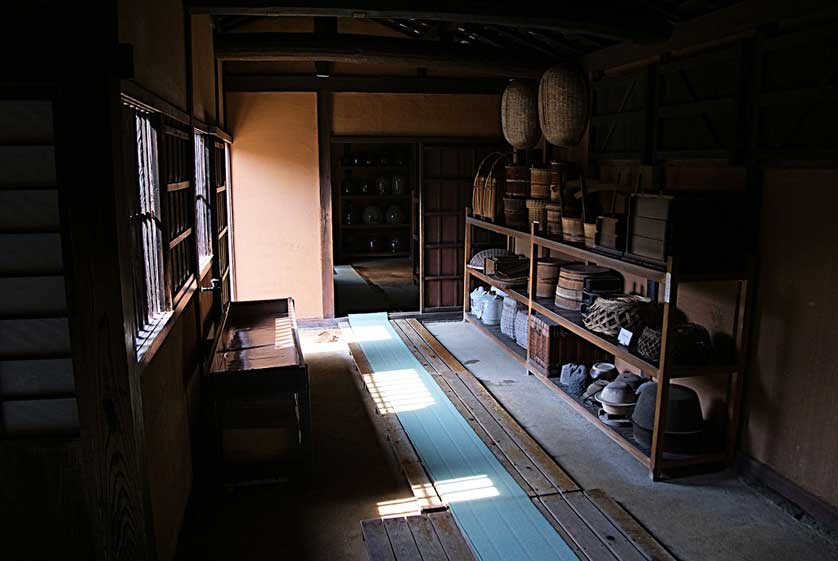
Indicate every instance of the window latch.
{"type": "Point", "coordinates": [215, 286]}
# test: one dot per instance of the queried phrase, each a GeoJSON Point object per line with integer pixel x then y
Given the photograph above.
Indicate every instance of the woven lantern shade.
{"type": "Point", "coordinates": [519, 115]}
{"type": "Point", "coordinates": [563, 105]}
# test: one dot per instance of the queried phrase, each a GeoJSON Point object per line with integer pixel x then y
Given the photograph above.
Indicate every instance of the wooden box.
{"type": "Point", "coordinates": [492, 265]}
{"type": "Point", "coordinates": [551, 346]}
{"type": "Point", "coordinates": [705, 231]}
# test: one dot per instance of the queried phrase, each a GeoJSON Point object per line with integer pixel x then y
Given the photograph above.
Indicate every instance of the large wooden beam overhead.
{"type": "Point", "coordinates": [624, 20]}
{"type": "Point", "coordinates": [362, 84]}
{"type": "Point", "coordinates": [374, 50]}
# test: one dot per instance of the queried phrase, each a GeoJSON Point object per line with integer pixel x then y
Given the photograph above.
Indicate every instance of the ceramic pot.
{"type": "Point", "coordinates": [382, 185]}
{"type": "Point", "coordinates": [399, 185]}
{"type": "Point", "coordinates": [394, 215]}
{"type": "Point", "coordinates": [372, 215]}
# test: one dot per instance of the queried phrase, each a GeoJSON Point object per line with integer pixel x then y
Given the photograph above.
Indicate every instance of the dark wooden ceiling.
{"type": "Point", "coordinates": [498, 41]}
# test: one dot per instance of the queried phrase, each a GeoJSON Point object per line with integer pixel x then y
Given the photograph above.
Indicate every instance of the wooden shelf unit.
{"type": "Point", "coordinates": [668, 280]}
{"type": "Point", "coordinates": [351, 239]}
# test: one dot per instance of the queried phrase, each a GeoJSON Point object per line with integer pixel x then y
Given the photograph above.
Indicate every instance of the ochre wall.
{"type": "Point", "coordinates": [276, 199]}
{"type": "Point", "coordinates": [454, 115]}
{"type": "Point", "coordinates": [793, 377]}
{"type": "Point", "coordinates": [155, 29]}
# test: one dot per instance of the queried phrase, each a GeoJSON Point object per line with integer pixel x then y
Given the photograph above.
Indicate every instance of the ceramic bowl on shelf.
{"type": "Point", "coordinates": [604, 371]}
{"type": "Point", "coordinates": [617, 398]}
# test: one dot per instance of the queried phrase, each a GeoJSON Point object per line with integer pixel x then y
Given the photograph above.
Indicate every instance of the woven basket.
{"type": "Point", "coordinates": [517, 181]}
{"type": "Point", "coordinates": [563, 105]}
{"type": "Point", "coordinates": [609, 315]}
{"type": "Point", "coordinates": [540, 183]}
{"type": "Point", "coordinates": [522, 327]}
{"type": "Point", "coordinates": [519, 115]}
{"type": "Point", "coordinates": [537, 209]}
{"type": "Point", "coordinates": [649, 344]}
{"type": "Point", "coordinates": [489, 187]}
{"type": "Point", "coordinates": [477, 261]}
{"type": "Point", "coordinates": [507, 317]}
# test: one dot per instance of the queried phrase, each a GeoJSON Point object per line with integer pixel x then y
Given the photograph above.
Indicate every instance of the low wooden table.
{"type": "Point", "coordinates": [258, 357]}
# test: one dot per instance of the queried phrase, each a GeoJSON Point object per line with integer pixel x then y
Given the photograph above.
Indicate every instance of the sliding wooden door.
{"type": "Point", "coordinates": [447, 174]}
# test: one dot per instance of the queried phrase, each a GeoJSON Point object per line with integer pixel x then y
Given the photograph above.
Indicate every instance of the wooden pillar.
{"type": "Point", "coordinates": [324, 146]}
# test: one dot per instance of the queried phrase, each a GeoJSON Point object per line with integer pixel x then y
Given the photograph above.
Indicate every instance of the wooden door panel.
{"type": "Point", "coordinates": [447, 178]}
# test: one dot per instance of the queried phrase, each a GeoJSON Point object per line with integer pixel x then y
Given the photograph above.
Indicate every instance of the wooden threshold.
{"type": "Point", "coordinates": [432, 536]}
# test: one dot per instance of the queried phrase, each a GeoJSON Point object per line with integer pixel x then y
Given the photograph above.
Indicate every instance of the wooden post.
{"type": "Point", "coordinates": [467, 258]}
{"type": "Point", "coordinates": [324, 145]}
{"type": "Point", "coordinates": [662, 398]}
{"type": "Point", "coordinates": [534, 252]}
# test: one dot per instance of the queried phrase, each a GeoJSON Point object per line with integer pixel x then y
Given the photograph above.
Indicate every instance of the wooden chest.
{"type": "Point", "coordinates": [705, 231]}
{"type": "Point", "coordinates": [551, 346]}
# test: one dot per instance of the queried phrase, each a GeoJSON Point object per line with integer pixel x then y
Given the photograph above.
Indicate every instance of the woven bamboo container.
{"type": "Point", "coordinates": [609, 315]}
{"type": "Point", "coordinates": [537, 209]}
{"type": "Point", "coordinates": [517, 181]}
{"type": "Point", "coordinates": [551, 346]}
{"type": "Point", "coordinates": [563, 105]}
{"type": "Point", "coordinates": [540, 183]}
{"type": "Point", "coordinates": [519, 115]}
{"type": "Point", "coordinates": [572, 230]}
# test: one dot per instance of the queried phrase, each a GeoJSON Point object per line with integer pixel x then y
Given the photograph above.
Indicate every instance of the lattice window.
{"type": "Point", "coordinates": [202, 199]}
{"type": "Point", "coordinates": [151, 302]}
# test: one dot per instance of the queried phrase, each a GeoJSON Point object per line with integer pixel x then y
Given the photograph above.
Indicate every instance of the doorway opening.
{"type": "Point", "coordinates": [376, 206]}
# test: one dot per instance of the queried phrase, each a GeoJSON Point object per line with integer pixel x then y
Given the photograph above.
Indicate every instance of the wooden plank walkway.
{"type": "Point", "coordinates": [432, 536]}
{"type": "Point", "coordinates": [595, 526]}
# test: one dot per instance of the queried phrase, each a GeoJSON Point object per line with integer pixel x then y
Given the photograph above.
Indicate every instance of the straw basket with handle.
{"type": "Point", "coordinates": [609, 315]}
{"type": "Point", "coordinates": [489, 182]}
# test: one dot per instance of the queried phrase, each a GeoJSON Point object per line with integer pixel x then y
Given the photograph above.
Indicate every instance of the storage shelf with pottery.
{"type": "Point", "coordinates": [390, 180]}
{"type": "Point", "coordinates": [667, 280]}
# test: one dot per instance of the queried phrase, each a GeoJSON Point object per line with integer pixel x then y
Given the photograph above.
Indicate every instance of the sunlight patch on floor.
{"type": "Point", "coordinates": [398, 391]}
{"type": "Point", "coordinates": [464, 489]}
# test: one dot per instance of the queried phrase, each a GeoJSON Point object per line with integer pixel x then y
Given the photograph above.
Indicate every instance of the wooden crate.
{"type": "Point", "coordinates": [706, 231]}
{"type": "Point", "coordinates": [551, 346]}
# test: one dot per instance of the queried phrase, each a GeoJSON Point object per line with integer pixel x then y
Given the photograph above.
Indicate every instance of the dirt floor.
{"type": "Point", "coordinates": [353, 477]}
{"type": "Point", "coordinates": [374, 286]}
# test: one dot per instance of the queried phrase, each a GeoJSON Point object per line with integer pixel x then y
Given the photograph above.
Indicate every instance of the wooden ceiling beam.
{"type": "Point", "coordinates": [362, 84]}
{"type": "Point", "coordinates": [374, 50]}
{"type": "Point", "coordinates": [620, 21]}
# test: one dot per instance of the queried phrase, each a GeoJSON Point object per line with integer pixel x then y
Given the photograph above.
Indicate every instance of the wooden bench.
{"type": "Point", "coordinates": [258, 357]}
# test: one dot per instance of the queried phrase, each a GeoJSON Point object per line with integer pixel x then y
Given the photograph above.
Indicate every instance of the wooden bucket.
{"type": "Point", "coordinates": [572, 230]}
{"type": "Point", "coordinates": [515, 212]}
{"type": "Point", "coordinates": [590, 235]}
{"type": "Point", "coordinates": [547, 275]}
{"type": "Point", "coordinates": [517, 181]}
{"type": "Point", "coordinates": [539, 183]}
{"type": "Point", "coordinates": [554, 220]}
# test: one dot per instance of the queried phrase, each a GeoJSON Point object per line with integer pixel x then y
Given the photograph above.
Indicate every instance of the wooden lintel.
{"type": "Point", "coordinates": [362, 84]}
{"type": "Point", "coordinates": [374, 50]}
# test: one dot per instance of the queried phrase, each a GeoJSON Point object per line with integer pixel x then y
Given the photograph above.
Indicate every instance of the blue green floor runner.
{"type": "Point", "coordinates": [495, 514]}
